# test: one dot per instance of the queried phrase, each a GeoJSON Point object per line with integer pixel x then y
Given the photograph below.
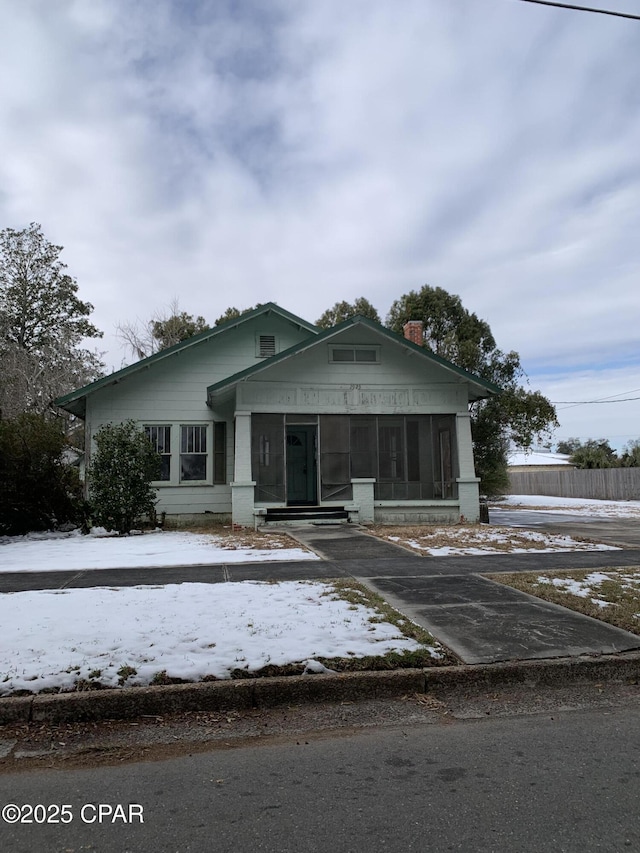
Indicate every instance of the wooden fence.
{"type": "Point", "coordinates": [617, 484]}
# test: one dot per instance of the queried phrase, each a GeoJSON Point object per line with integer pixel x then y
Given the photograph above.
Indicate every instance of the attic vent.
{"type": "Point", "coordinates": [360, 354]}
{"type": "Point", "coordinates": [266, 346]}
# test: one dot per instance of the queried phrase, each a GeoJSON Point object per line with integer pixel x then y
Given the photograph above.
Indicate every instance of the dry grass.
{"type": "Point", "coordinates": [618, 594]}
{"type": "Point", "coordinates": [484, 537]}
{"type": "Point", "coordinates": [357, 593]}
{"type": "Point", "coordinates": [232, 540]}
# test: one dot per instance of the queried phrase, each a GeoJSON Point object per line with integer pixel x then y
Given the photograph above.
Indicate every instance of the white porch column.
{"type": "Point", "coordinates": [363, 498]}
{"type": "Point", "coordinates": [242, 487]}
{"type": "Point", "coordinates": [468, 488]}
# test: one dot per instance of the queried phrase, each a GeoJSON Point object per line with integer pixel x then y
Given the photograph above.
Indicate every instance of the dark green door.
{"type": "Point", "coordinates": [302, 481]}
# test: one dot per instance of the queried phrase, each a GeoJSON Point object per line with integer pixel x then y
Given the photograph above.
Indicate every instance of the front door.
{"type": "Point", "coordinates": [302, 482]}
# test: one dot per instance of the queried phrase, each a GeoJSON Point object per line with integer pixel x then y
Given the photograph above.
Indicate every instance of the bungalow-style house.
{"type": "Point", "coordinates": [268, 416]}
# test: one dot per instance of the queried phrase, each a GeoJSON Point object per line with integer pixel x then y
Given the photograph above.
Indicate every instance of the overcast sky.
{"type": "Point", "coordinates": [309, 151]}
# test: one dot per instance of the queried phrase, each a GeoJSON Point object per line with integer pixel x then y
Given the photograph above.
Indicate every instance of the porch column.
{"type": "Point", "coordinates": [242, 487]}
{"type": "Point", "coordinates": [363, 498]}
{"type": "Point", "coordinates": [468, 488]}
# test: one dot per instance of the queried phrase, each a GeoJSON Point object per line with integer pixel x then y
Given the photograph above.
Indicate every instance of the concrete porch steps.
{"type": "Point", "coordinates": [312, 514]}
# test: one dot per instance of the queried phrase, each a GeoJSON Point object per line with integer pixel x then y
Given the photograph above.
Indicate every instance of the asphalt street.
{"type": "Point", "coordinates": [559, 781]}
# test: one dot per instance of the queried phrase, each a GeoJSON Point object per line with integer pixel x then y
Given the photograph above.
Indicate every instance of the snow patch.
{"type": "Point", "coordinates": [127, 635]}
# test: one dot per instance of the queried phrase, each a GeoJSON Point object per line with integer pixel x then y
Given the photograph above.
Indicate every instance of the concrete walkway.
{"type": "Point", "coordinates": [480, 620]}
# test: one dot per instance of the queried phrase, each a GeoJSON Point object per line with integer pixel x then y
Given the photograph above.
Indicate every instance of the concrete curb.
{"type": "Point", "coordinates": [131, 702]}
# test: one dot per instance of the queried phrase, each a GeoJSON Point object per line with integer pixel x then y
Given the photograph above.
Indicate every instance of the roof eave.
{"type": "Point", "coordinates": [485, 388]}
{"type": "Point", "coordinates": [67, 400]}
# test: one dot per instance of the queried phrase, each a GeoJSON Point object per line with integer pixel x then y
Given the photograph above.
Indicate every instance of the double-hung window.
{"type": "Point", "coordinates": [199, 451]}
{"type": "Point", "coordinates": [193, 453]}
{"type": "Point", "coordinates": [160, 438]}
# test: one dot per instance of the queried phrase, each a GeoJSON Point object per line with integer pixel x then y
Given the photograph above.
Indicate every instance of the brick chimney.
{"type": "Point", "coordinates": [413, 331]}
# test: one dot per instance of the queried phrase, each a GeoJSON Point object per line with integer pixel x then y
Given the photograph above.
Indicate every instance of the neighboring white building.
{"type": "Point", "coordinates": [268, 412]}
{"type": "Point", "coordinates": [537, 460]}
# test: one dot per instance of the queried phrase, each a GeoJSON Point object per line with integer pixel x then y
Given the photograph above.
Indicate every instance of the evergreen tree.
{"type": "Point", "coordinates": [568, 446]}
{"type": "Point", "coordinates": [233, 314]}
{"type": "Point", "coordinates": [517, 416]}
{"type": "Point", "coordinates": [42, 325]}
{"type": "Point", "coordinates": [342, 311]}
{"type": "Point", "coordinates": [38, 490]}
{"type": "Point", "coordinates": [177, 328]}
{"type": "Point", "coordinates": [631, 454]}
{"type": "Point", "coordinates": [594, 454]}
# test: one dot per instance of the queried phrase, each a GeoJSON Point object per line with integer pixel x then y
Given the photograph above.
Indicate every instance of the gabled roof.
{"type": "Point", "coordinates": [482, 387]}
{"type": "Point", "coordinates": [75, 401]}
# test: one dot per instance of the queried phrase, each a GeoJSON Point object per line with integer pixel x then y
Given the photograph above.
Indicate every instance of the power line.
{"type": "Point", "coordinates": [590, 402]}
{"type": "Point", "coordinates": [584, 9]}
{"type": "Point", "coordinates": [609, 399]}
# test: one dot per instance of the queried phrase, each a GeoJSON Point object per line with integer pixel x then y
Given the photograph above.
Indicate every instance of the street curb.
{"type": "Point", "coordinates": [246, 694]}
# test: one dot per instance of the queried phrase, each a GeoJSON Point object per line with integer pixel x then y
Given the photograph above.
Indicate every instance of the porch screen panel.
{"type": "Point", "coordinates": [445, 458]}
{"type": "Point", "coordinates": [364, 447]}
{"type": "Point", "coordinates": [416, 457]}
{"type": "Point", "coordinates": [391, 450]}
{"type": "Point", "coordinates": [268, 457]}
{"type": "Point", "coordinates": [335, 476]}
{"type": "Point", "coordinates": [419, 458]}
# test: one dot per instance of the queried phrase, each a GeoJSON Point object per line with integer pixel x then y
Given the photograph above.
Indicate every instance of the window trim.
{"type": "Point", "coordinates": [146, 427]}
{"type": "Point", "coordinates": [354, 348]}
{"type": "Point", "coordinates": [175, 470]}
{"type": "Point", "coordinates": [206, 453]}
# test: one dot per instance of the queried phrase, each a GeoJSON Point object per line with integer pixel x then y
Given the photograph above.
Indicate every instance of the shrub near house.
{"type": "Point", "coordinates": [120, 476]}
{"type": "Point", "coordinates": [38, 491]}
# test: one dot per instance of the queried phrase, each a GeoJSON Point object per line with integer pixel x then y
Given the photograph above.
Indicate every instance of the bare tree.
{"type": "Point", "coordinates": [164, 329]}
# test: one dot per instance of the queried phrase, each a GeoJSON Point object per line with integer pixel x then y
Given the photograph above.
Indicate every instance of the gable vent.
{"type": "Point", "coordinates": [266, 346]}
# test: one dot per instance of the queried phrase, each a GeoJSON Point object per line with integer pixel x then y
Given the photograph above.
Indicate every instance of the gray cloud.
{"type": "Point", "coordinates": [310, 152]}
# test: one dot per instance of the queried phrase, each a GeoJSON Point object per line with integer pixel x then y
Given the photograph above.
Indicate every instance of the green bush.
{"type": "Point", "coordinates": [122, 468]}
{"type": "Point", "coordinates": [37, 490]}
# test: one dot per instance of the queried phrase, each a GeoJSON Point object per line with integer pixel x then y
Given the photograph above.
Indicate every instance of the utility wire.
{"type": "Point", "coordinates": [584, 9]}
{"type": "Point", "coordinates": [599, 400]}
{"type": "Point", "coordinates": [590, 402]}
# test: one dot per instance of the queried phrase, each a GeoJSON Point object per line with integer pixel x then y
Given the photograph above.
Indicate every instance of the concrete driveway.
{"type": "Point", "coordinates": [624, 532]}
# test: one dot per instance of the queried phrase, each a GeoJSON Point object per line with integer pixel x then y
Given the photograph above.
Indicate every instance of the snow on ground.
{"type": "Point", "coordinates": [458, 540]}
{"type": "Point", "coordinates": [50, 552]}
{"type": "Point", "coordinates": [573, 506]}
{"type": "Point", "coordinates": [53, 638]}
{"type": "Point", "coordinates": [589, 587]}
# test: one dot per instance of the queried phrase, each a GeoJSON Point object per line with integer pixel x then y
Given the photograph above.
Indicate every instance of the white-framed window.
{"type": "Point", "coordinates": [358, 354]}
{"type": "Point", "coordinates": [193, 453]}
{"type": "Point", "coordinates": [160, 438]}
{"type": "Point", "coordinates": [190, 454]}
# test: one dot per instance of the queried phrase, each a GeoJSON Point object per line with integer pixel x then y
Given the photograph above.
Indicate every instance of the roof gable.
{"type": "Point", "coordinates": [479, 389]}
{"type": "Point", "coordinates": [75, 401]}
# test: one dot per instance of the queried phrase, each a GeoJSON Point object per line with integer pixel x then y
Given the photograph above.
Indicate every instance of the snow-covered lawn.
{"type": "Point", "coordinates": [187, 631]}
{"type": "Point", "coordinates": [49, 552]}
{"type": "Point", "coordinates": [483, 539]}
{"type": "Point", "coordinates": [572, 506]}
{"type": "Point", "coordinates": [455, 540]}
